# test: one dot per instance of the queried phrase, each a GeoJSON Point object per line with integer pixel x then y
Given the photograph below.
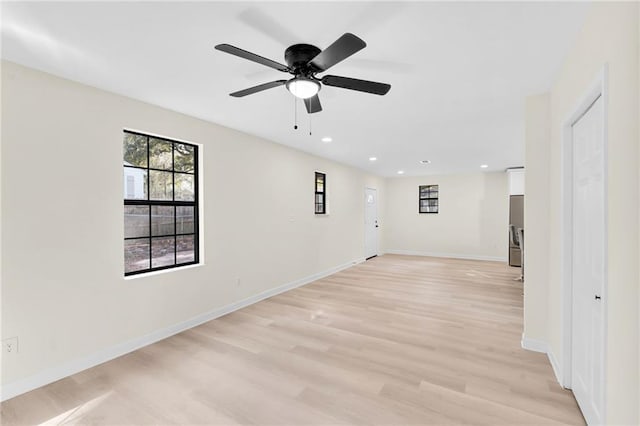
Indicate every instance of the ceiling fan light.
{"type": "Point", "coordinates": [303, 88]}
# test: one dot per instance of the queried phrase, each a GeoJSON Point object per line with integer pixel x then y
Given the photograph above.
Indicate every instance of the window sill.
{"type": "Point", "coordinates": [163, 271]}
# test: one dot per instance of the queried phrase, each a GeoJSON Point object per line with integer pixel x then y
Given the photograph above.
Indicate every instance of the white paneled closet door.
{"type": "Point", "coordinates": [588, 263]}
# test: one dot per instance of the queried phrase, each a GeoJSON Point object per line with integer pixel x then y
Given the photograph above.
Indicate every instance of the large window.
{"type": "Point", "coordinates": [428, 199]}
{"type": "Point", "coordinates": [160, 203]}
{"type": "Point", "coordinates": [321, 193]}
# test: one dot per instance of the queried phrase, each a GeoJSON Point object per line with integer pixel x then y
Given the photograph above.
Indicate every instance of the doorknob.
{"type": "Point", "coordinates": [598, 297]}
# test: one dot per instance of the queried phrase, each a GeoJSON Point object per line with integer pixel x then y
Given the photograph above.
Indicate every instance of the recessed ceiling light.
{"type": "Point", "coordinates": [400, 172]}
{"type": "Point", "coordinates": [425, 161]}
{"type": "Point", "coordinates": [484, 166]}
{"type": "Point", "coordinates": [326, 139]}
{"type": "Point", "coordinates": [373, 158]}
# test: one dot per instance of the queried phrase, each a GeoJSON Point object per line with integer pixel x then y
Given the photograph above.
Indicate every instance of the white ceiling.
{"type": "Point", "coordinates": [459, 71]}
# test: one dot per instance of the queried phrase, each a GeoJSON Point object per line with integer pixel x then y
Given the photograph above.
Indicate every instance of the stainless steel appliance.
{"type": "Point", "coordinates": [516, 218]}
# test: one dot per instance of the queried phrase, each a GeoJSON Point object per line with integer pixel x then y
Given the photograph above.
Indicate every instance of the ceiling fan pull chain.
{"type": "Point", "coordinates": [309, 124]}
{"type": "Point", "coordinates": [295, 113]}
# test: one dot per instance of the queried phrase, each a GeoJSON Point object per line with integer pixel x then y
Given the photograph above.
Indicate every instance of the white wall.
{"type": "Point", "coordinates": [516, 179]}
{"type": "Point", "coordinates": [63, 291]}
{"type": "Point", "coordinates": [472, 221]}
{"type": "Point", "coordinates": [536, 218]}
{"type": "Point", "coordinates": [609, 36]}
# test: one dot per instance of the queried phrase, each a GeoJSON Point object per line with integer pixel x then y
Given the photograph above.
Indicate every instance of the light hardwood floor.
{"type": "Point", "coordinates": [396, 340]}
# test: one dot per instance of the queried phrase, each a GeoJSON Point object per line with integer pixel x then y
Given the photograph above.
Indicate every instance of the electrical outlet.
{"type": "Point", "coordinates": [10, 345]}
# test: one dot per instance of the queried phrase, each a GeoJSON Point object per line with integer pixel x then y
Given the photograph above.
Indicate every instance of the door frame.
{"type": "Point", "coordinates": [365, 222]}
{"type": "Point", "coordinates": [599, 88]}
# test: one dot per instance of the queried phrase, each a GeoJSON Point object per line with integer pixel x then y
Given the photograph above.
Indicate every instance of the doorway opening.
{"type": "Point", "coordinates": [370, 223]}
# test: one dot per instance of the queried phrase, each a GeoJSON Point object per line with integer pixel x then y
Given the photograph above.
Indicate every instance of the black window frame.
{"type": "Point", "coordinates": [323, 204]}
{"type": "Point", "coordinates": [150, 203]}
{"type": "Point", "coordinates": [430, 190]}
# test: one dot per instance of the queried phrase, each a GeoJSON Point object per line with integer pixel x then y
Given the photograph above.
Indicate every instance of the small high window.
{"type": "Point", "coordinates": [321, 193]}
{"type": "Point", "coordinates": [160, 203]}
{"type": "Point", "coordinates": [428, 199]}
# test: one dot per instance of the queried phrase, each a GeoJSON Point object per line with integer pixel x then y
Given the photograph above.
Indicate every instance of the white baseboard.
{"type": "Point", "coordinates": [448, 255]}
{"type": "Point", "coordinates": [555, 366]}
{"type": "Point", "coordinates": [534, 345]}
{"type": "Point", "coordinates": [542, 346]}
{"type": "Point", "coordinates": [53, 374]}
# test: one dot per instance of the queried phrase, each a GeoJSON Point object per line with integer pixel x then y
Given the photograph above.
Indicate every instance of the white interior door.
{"type": "Point", "coordinates": [588, 263]}
{"type": "Point", "coordinates": [370, 222]}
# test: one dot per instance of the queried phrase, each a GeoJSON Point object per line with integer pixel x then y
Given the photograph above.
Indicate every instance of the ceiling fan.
{"type": "Point", "coordinates": [304, 61]}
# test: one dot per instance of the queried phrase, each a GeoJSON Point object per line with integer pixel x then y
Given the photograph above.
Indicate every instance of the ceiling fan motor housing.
{"type": "Point", "coordinates": [298, 56]}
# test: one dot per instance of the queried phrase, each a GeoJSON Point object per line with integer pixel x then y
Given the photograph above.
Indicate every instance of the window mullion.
{"type": "Point", "coordinates": [149, 198]}
{"type": "Point", "coordinates": [175, 209]}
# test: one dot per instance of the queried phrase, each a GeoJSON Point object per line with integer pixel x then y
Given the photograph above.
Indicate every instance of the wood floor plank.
{"type": "Point", "coordinates": [397, 340]}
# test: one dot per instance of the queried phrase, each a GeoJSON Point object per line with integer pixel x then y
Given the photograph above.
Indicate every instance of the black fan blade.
{"type": "Point", "coordinates": [227, 48]}
{"type": "Point", "coordinates": [340, 50]}
{"type": "Point", "coordinates": [313, 104]}
{"type": "Point", "coordinates": [258, 88]}
{"type": "Point", "coordinates": [355, 84]}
